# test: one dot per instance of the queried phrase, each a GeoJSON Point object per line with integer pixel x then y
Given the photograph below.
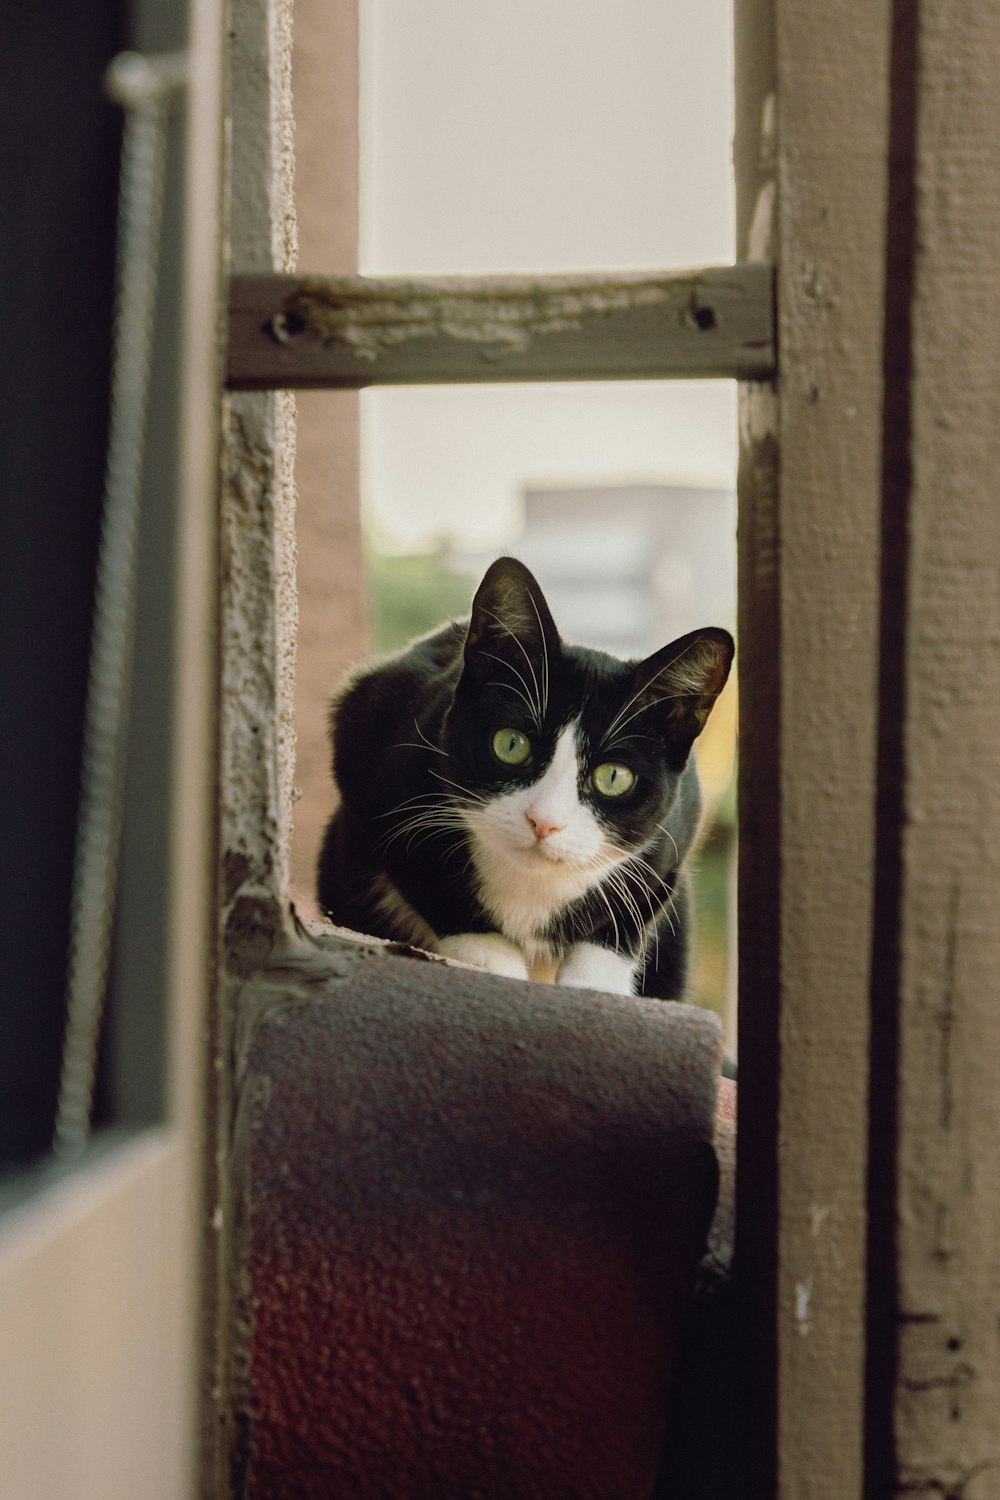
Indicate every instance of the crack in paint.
{"type": "Point", "coordinates": [503, 314]}
{"type": "Point", "coordinates": [917, 1482]}
{"type": "Point", "coordinates": [803, 1301]}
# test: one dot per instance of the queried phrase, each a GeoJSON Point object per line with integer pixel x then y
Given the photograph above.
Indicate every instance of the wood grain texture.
{"type": "Point", "coordinates": [349, 332]}
{"type": "Point", "coordinates": [946, 864]}
{"type": "Point", "coordinates": [811, 141]}
{"type": "Point", "coordinates": [257, 617]}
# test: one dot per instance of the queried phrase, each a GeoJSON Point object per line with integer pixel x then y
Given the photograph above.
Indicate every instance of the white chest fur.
{"type": "Point", "coordinates": [524, 880]}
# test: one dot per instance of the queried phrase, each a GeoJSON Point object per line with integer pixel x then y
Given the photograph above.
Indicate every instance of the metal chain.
{"type": "Point", "coordinates": [142, 86]}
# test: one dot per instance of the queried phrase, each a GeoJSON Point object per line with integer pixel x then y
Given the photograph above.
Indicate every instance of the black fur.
{"type": "Point", "coordinates": [412, 740]}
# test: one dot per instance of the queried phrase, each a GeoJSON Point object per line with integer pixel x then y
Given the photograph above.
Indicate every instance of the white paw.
{"type": "Point", "coordinates": [487, 950]}
{"type": "Point", "coordinates": [592, 968]}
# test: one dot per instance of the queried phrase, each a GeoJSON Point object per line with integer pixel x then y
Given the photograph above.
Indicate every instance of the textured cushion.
{"type": "Point", "coordinates": [470, 1212]}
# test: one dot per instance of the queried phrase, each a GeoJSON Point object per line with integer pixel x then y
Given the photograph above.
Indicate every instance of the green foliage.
{"type": "Point", "coordinates": [410, 595]}
{"type": "Point", "coordinates": [710, 947]}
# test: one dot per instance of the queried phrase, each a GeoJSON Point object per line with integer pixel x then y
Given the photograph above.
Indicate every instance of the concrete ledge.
{"type": "Point", "coordinates": [469, 1213]}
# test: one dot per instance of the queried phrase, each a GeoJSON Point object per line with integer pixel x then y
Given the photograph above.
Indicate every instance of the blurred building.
{"type": "Point", "coordinates": [630, 567]}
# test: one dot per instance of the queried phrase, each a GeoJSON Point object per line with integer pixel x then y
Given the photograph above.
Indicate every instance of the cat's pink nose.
{"type": "Point", "coordinates": [542, 825]}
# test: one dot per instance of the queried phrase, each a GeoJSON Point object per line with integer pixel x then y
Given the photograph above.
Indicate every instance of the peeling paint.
{"type": "Point", "coordinates": [803, 1302]}
{"type": "Point", "coordinates": [251, 927]}
{"type": "Point", "coordinates": [348, 332]}
{"type": "Point", "coordinates": [819, 1213]}
{"type": "Point", "coordinates": [760, 238]}
{"type": "Point", "coordinates": [948, 1483]}
{"type": "Point", "coordinates": [503, 314]}
{"type": "Point", "coordinates": [256, 644]}
{"type": "Point", "coordinates": [769, 129]}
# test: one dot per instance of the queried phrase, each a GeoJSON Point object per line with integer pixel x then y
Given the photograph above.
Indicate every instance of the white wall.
{"type": "Point", "coordinates": [568, 135]}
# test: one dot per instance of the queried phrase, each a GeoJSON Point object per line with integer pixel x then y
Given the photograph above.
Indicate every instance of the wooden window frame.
{"type": "Point", "coordinates": [866, 165]}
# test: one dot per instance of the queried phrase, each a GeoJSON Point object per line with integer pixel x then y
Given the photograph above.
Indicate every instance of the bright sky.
{"type": "Point", "coordinates": [541, 135]}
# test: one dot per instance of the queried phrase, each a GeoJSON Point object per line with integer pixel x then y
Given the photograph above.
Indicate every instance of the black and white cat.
{"type": "Point", "coordinates": [515, 801]}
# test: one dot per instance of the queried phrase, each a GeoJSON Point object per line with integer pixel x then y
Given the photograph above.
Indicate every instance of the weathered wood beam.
{"type": "Point", "coordinates": [350, 331]}
{"type": "Point", "coordinates": [810, 529]}
{"type": "Point", "coordinates": [934, 1186]}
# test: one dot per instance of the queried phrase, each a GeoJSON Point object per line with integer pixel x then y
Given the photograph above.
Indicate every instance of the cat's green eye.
{"type": "Point", "coordinates": [511, 747]}
{"type": "Point", "coordinates": [612, 779]}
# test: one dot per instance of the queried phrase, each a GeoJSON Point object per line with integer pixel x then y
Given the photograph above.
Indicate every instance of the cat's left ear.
{"type": "Point", "coordinates": [511, 624]}
{"type": "Point", "coordinates": [684, 679]}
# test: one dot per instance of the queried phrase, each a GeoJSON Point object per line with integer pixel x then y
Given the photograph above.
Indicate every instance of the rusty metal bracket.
{"type": "Point", "coordinates": [351, 331]}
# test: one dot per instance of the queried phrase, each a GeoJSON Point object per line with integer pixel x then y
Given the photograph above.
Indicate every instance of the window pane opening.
{"type": "Point", "coordinates": [517, 140]}
{"type": "Point", "coordinates": [566, 137]}
{"type": "Point", "coordinates": [621, 500]}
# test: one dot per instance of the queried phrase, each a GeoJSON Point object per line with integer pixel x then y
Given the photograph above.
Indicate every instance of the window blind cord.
{"type": "Point", "coordinates": [143, 86]}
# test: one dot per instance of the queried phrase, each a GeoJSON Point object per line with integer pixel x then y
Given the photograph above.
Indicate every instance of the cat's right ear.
{"type": "Point", "coordinates": [512, 626]}
{"type": "Point", "coordinates": [682, 681]}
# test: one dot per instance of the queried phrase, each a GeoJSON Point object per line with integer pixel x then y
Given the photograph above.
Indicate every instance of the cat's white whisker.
{"type": "Point", "coordinates": [692, 685]}
{"type": "Point", "coordinates": [619, 883]}
{"type": "Point", "coordinates": [429, 743]}
{"type": "Point", "coordinates": [531, 700]}
{"type": "Point", "coordinates": [641, 865]}
{"type": "Point", "coordinates": [431, 798]}
{"type": "Point", "coordinates": [468, 795]}
{"type": "Point", "coordinates": [669, 835]}
{"type": "Point", "coordinates": [611, 913]}
{"type": "Point", "coordinates": [668, 909]}
{"type": "Point", "coordinates": [545, 657]}
{"type": "Point", "coordinates": [655, 702]}
{"type": "Point", "coordinates": [638, 863]}
{"type": "Point", "coordinates": [506, 687]}
{"type": "Point", "coordinates": [416, 745]}
{"type": "Point", "coordinates": [654, 906]}
{"type": "Point", "coordinates": [458, 847]}
{"type": "Point", "coordinates": [426, 825]}
{"type": "Point", "coordinates": [609, 747]}
{"type": "Point", "coordinates": [428, 799]}
{"type": "Point", "coordinates": [524, 652]}
{"type": "Point", "coordinates": [644, 708]}
{"type": "Point", "coordinates": [414, 823]}
{"type": "Point", "coordinates": [641, 872]}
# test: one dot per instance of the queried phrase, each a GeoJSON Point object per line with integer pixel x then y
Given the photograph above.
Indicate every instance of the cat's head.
{"type": "Point", "coordinates": [573, 756]}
